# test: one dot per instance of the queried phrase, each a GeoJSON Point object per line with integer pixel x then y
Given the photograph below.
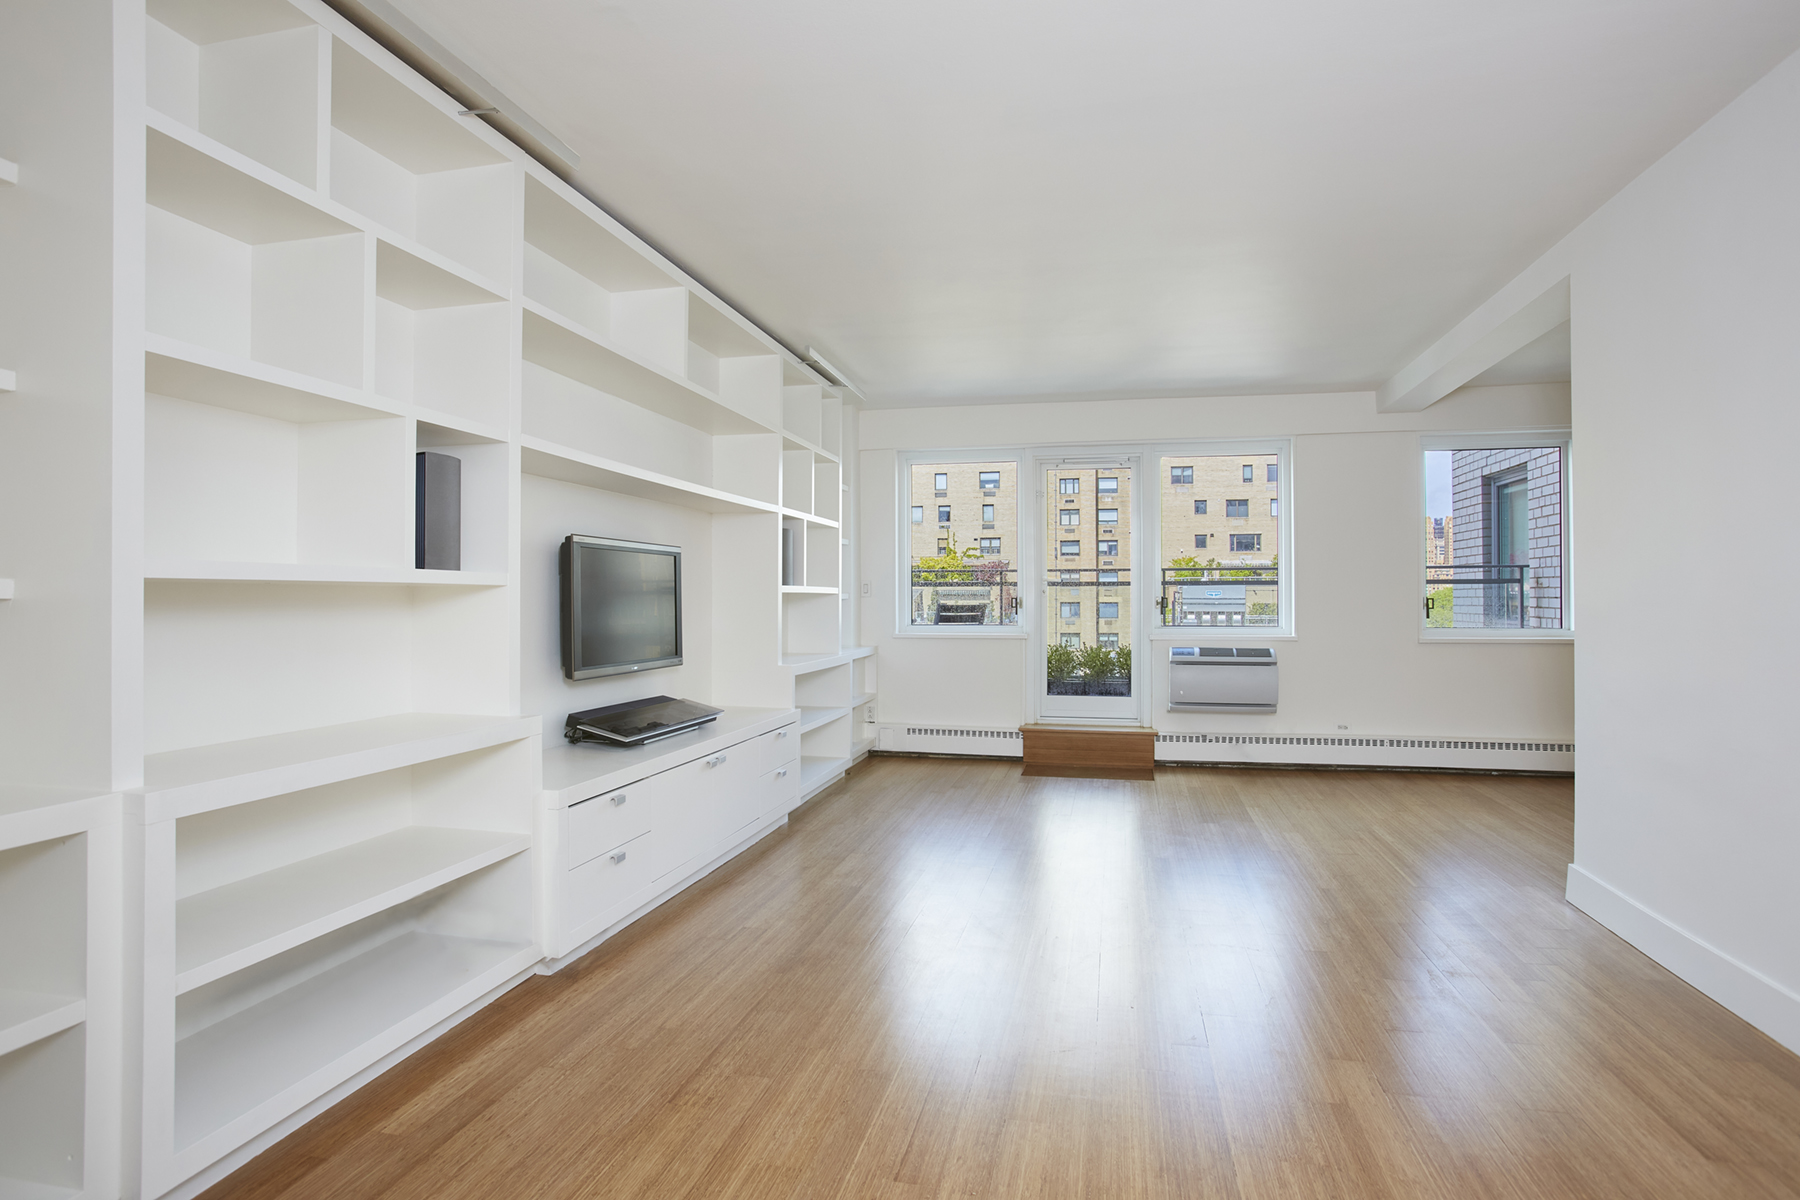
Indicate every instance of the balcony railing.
{"type": "Point", "coordinates": [1483, 595]}
{"type": "Point", "coordinates": [1220, 596]}
{"type": "Point", "coordinates": [975, 594]}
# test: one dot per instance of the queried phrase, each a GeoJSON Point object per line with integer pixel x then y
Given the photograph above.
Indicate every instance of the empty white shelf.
{"type": "Point", "coordinates": [809, 518]}
{"type": "Point", "coordinates": [812, 718]}
{"type": "Point", "coordinates": [414, 277]}
{"type": "Point", "coordinates": [195, 177]}
{"type": "Point", "coordinates": [793, 441]}
{"type": "Point", "coordinates": [796, 590]}
{"type": "Point", "coordinates": [561, 345]}
{"type": "Point", "coordinates": [318, 573]}
{"type": "Point", "coordinates": [815, 772]}
{"type": "Point", "coordinates": [206, 376]}
{"type": "Point", "coordinates": [302, 1041]}
{"type": "Point", "coordinates": [861, 698]}
{"type": "Point", "coordinates": [228, 928]}
{"type": "Point", "coordinates": [806, 664]}
{"type": "Point", "coordinates": [179, 783]}
{"type": "Point", "coordinates": [27, 1017]}
{"type": "Point", "coordinates": [548, 460]}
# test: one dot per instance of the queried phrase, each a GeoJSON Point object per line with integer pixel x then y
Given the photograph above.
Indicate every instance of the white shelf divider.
{"type": "Point", "coordinates": [283, 572]}
{"type": "Point", "coordinates": [241, 1075]}
{"type": "Point", "coordinates": [189, 372]}
{"type": "Point", "coordinates": [550, 461]}
{"type": "Point", "coordinates": [180, 783]}
{"type": "Point", "coordinates": [231, 927]}
{"type": "Point", "coordinates": [809, 518]}
{"type": "Point", "coordinates": [817, 772]}
{"type": "Point", "coordinates": [793, 441]}
{"type": "Point", "coordinates": [27, 1017]}
{"type": "Point", "coordinates": [812, 718]}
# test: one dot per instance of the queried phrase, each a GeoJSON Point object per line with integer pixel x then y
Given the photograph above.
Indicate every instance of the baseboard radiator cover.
{"type": "Point", "coordinates": [1466, 754]}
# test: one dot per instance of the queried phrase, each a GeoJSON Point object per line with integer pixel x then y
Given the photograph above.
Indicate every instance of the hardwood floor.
{"type": "Point", "coordinates": [945, 980]}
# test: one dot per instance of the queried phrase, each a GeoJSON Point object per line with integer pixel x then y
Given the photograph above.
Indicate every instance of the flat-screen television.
{"type": "Point", "coordinates": [621, 606]}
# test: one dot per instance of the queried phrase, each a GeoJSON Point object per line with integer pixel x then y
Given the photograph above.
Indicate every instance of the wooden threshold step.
{"type": "Point", "coordinates": [1089, 752]}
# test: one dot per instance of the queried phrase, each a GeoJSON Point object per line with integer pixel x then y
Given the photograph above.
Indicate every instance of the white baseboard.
{"type": "Point", "coordinates": [1744, 990]}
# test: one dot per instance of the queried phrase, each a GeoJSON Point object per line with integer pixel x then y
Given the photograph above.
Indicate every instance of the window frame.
{"type": "Point", "coordinates": [1521, 439]}
{"type": "Point", "coordinates": [901, 592]}
{"type": "Point", "coordinates": [1282, 448]}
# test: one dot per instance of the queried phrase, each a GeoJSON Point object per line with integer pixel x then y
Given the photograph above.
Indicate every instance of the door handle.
{"type": "Point", "coordinates": [618, 858]}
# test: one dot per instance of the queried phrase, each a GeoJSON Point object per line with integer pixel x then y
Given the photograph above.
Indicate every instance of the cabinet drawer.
{"type": "Point", "coordinates": [777, 748]}
{"type": "Point", "coordinates": [602, 822]}
{"type": "Point", "coordinates": [610, 879]}
{"type": "Point", "coordinates": [779, 790]}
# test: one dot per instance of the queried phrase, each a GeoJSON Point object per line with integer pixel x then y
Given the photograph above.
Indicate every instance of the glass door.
{"type": "Point", "coordinates": [1089, 615]}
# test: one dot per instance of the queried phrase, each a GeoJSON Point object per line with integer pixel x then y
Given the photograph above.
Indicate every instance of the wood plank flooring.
{"type": "Point", "coordinates": [945, 980]}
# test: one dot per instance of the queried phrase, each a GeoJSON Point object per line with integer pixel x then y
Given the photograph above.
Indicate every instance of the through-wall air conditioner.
{"type": "Point", "coordinates": [1222, 679]}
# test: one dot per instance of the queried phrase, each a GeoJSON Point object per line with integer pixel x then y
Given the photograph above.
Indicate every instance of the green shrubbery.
{"type": "Point", "coordinates": [1087, 662]}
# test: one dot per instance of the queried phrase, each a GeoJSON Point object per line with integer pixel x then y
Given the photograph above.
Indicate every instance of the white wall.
{"type": "Point", "coordinates": [1686, 327]}
{"type": "Point", "coordinates": [1356, 658]}
{"type": "Point", "coordinates": [552, 511]}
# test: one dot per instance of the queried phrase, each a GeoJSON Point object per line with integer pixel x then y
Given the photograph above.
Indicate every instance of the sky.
{"type": "Point", "coordinates": [1437, 483]}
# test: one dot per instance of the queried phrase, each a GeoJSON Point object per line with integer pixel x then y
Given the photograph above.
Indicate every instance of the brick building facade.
{"type": "Point", "coordinates": [1508, 511]}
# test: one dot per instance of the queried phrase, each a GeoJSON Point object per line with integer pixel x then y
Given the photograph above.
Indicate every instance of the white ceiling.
{"type": "Point", "coordinates": [982, 199]}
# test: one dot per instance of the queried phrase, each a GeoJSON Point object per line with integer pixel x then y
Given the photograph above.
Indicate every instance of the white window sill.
{"type": "Point", "coordinates": [972, 631]}
{"type": "Point", "coordinates": [1497, 637]}
{"type": "Point", "coordinates": [1225, 633]}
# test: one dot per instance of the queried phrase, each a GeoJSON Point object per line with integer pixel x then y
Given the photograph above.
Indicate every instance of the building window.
{"type": "Point", "coordinates": [1189, 592]}
{"type": "Point", "coordinates": [938, 590]}
{"type": "Point", "coordinates": [1069, 487]}
{"type": "Point", "coordinates": [1069, 516]}
{"type": "Point", "coordinates": [1071, 610]}
{"type": "Point", "coordinates": [1109, 549]}
{"type": "Point", "coordinates": [1070, 576]}
{"type": "Point", "coordinates": [1109, 610]}
{"type": "Point", "coordinates": [1109, 577]}
{"type": "Point", "coordinates": [1071, 549]}
{"type": "Point", "coordinates": [1109, 641]}
{"type": "Point", "coordinates": [1274, 507]}
{"type": "Point", "coordinates": [1107, 485]}
{"type": "Point", "coordinates": [1494, 556]}
{"type": "Point", "coordinates": [1109, 516]}
{"type": "Point", "coordinates": [1181, 475]}
{"type": "Point", "coordinates": [1072, 639]}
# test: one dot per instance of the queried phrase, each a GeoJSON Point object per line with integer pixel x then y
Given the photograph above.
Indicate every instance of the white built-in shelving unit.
{"type": "Point", "coordinates": [285, 819]}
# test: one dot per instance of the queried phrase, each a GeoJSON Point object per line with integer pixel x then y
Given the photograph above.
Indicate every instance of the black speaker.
{"type": "Point", "coordinates": [437, 513]}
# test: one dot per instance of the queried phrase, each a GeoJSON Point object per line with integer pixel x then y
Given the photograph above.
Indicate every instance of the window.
{"type": "Point", "coordinates": [1069, 487]}
{"type": "Point", "coordinates": [1071, 549]}
{"type": "Point", "coordinates": [1493, 538]}
{"type": "Point", "coordinates": [1109, 577]}
{"type": "Point", "coordinates": [1109, 610]}
{"type": "Point", "coordinates": [1069, 576]}
{"type": "Point", "coordinates": [1109, 641]}
{"type": "Point", "coordinates": [1109, 516]}
{"type": "Point", "coordinates": [1071, 610]}
{"type": "Point", "coordinates": [1190, 590]}
{"type": "Point", "coordinates": [1072, 639]}
{"type": "Point", "coordinates": [1069, 516]}
{"type": "Point", "coordinates": [957, 577]}
{"type": "Point", "coordinates": [1109, 549]}
{"type": "Point", "coordinates": [1107, 485]}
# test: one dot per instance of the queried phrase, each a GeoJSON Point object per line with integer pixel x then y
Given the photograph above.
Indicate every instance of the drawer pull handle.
{"type": "Point", "coordinates": [716, 760]}
{"type": "Point", "coordinates": [618, 799]}
{"type": "Point", "coordinates": [781, 774]}
{"type": "Point", "coordinates": [619, 857]}
{"type": "Point", "coordinates": [780, 733]}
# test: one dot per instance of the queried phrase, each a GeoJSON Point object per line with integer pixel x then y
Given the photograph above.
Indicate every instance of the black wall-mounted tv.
{"type": "Point", "coordinates": [621, 606]}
